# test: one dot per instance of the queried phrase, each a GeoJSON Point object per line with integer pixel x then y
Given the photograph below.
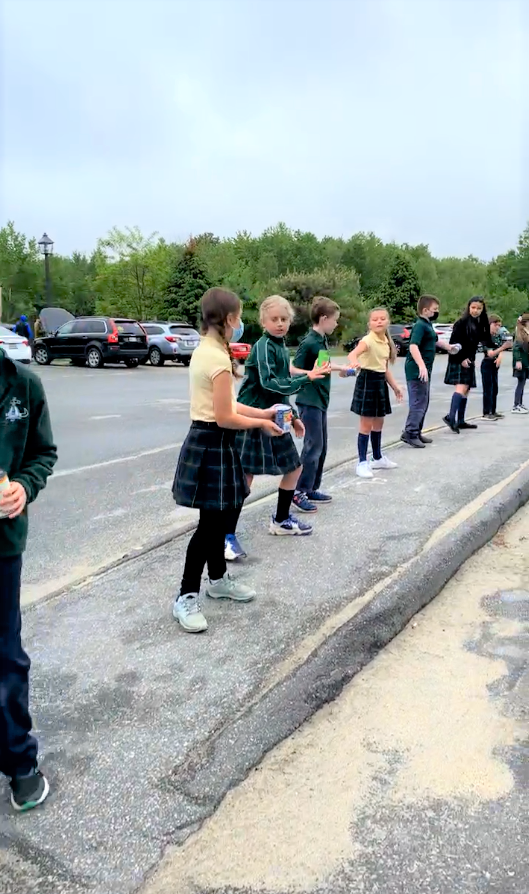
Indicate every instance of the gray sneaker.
{"type": "Point", "coordinates": [187, 611]}
{"type": "Point", "coordinates": [226, 588]}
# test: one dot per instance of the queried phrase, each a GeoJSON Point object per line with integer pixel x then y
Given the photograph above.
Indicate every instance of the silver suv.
{"type": "Point", "coordinates": [170, 341]}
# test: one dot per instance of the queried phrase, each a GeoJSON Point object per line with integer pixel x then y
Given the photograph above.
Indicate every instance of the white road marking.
{"type": "Point", "coordinates": [110, 416]}
{"type": "Point", "coordinates": [63, 473]}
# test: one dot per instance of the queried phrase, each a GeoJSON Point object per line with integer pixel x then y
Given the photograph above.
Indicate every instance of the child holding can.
{"type": "Point", "coordinates": [268, 381]}
{"type": "Point", "coordinates": [373, 355]}
{"type": "Point", "coordinates": [209, 475]}
{"type": "Point", "coordinates": [313, 402]}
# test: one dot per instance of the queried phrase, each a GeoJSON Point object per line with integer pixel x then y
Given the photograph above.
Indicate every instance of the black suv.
{"type": "Point", "coordinates": [94, 341]}
{"type": "Point", "coordinates": [400, 333]}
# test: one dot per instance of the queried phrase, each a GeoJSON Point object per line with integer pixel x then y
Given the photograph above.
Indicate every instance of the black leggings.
{"type": "Point", "coordinates": [207, 547]}
{"type": "Point", "coordinates": [518, 394]}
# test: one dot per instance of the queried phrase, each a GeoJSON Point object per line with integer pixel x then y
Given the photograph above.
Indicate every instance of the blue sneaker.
{"type": "Point", "coordinates": [232, 548]}
{"type": "Point", "coordinates": [302, 504]}
{"type": "Point", "coordinates": [317, 497]}
{"type": "Point", "coordinates": [291, 526]}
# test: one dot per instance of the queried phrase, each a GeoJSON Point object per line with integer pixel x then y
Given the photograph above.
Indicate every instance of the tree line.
{"type": "Point", "coordinates": [146, 277]}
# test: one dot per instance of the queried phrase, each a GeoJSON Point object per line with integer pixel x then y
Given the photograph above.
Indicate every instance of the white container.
{"type": "Point", "coordinates": [4, 484]}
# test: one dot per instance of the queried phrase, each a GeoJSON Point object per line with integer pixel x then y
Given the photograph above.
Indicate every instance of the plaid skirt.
{"type": "Point", "coordinates": [263, 455]}
{"type": "Point", "coordinates": [460, 375]}
{"type": "Point", "coordinates": [371, 394]}
{"type": "Point", "coordinates": [209, 474]}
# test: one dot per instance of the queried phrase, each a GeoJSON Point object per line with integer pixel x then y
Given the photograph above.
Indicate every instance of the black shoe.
{"type": "Point", "coordinates": [411, 440]}
{"type": "Point", "coordinates": [425, 440]}
{"type": "Point", "coordinates": [454, 427]}
{"type": "Point", "coordinates": [464, 425]}
{"type": "Point", "coordinates": [490, 417]}
{"type": "Point", "coordinates": [28, 792]}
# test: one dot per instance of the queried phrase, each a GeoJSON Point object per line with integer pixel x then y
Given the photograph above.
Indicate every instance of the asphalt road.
{"type": "Point", "coordinates": [118, 433]}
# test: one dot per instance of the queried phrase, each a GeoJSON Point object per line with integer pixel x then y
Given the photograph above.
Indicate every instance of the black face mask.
{"type": "Point", "coordinates": [435, 316]}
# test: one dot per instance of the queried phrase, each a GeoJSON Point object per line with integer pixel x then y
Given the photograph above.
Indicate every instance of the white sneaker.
{"type": "Point", "coordinates": [363, 470]}
{"type": "Point", "coordinates": [383, 463]}
{"type": "Point", "coordinates": [520, 410]}
{"type": "Point", "coordinates": [226, 588]}
{"type": "Point", "coordinates": [187, 611]}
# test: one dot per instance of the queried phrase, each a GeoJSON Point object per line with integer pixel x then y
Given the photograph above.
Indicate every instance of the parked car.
{"type": "Point", "coordinates": [399, 332]}
{"type": "Point", "coordinates": [170, 341]}
{"type": "Point", "coordinates": [444, 332]}
{"type": "Point", "coordinates": [93, 341]}
{"type": "Point", "coordinates": [240, 351]}
{"type": "Point", "coordinates": [15, 346]}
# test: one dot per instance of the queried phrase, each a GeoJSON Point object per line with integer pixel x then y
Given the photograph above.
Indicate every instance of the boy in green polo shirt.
{"type": "Point", "coordinates": [27, 457]}
{"type": "Point", "coordinates": [313, 403]}
{"type": "Point", "coordinates": [418, 369]}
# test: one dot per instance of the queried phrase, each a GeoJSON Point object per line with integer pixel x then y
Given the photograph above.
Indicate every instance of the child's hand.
{"type": "Point", "coordinates": [299, 428]}
{"type": "Point", "coordinates": [399, 394]}
{"type": "Point", "coordinates": [319, 372]}
{"type": "Point", "coordinates": [518, 364]}
{"type": "Point", "coordinates": [271, 429]}
{"type": "Point", "coordinates": [490, 354]}
{"type": "Point", "coordinates": [498, 361]}
{"type": "Point", "coordinates": [466, 363]}
{"type": "Point", "coordinates": [423, 373]}
{"type": "Point", "coordinates": [14, 499]}
{"type": "Point", "coordinates": [270, 413]}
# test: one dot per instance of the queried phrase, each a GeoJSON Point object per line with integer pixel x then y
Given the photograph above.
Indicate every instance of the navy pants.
{"type": "Point", "coordinates": [419, 400]}
{"type": "Point", "coordinates": [18, 748]}
{"type": "Point", "coordinates": [314, 448]}
{"type": "Point", "coordinates": [489, 379]}
{"type": "Point", "coordinates": [522, 376]}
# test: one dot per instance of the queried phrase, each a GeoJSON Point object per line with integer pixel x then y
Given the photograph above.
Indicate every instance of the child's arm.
{"type": "Point", "coordinates": [284, 386]}
{"type": "Point", "coordinates": [352, 359]}
{"type": "Point", "coordinates": [417, 356]}
{"type": "Point", "coordinates": [394, 385]}
{"type": "Point", "coordinates": [227, 417]}
{"type": "Point", "coordinates": [256, 412]}
{"type": "Point", "coordinates": [40, 454]}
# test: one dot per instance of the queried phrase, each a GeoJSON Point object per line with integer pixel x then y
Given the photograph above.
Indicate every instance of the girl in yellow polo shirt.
{"type": "Point", "coordinates": [372, 356]}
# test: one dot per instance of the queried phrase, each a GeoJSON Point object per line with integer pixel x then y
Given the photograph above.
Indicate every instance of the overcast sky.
{"type": "Point", "coordinates": [405, 117]}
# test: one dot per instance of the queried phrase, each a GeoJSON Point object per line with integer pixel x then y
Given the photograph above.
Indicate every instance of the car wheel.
{"type": "Point", "coordinates": [186, 361]}
{"type": "Point", "coordinates": [94, 358]}
{"type": "Point", "coordinates": [156, 357]}
{"type": "Point", "coordinates": [132, 362]}
{"type": "Point", "coordinates": [42, 355]}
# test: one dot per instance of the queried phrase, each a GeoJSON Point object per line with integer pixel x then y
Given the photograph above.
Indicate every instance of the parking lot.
{"type": "Point", "coordinates": [118, 433]}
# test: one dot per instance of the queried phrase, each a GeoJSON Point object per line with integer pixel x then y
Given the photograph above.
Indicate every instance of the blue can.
{"type": "Point", "coordinates": [284, 416]}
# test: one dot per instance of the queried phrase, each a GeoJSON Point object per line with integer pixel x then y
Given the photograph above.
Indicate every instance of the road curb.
{"type": "Point", "coordinates": [224, 760]}
{"type": "Point", "coordinates": [182, 530]}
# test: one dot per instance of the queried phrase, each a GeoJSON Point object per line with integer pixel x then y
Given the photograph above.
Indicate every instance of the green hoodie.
{"type": "Point", "coordinates": [27, 451]}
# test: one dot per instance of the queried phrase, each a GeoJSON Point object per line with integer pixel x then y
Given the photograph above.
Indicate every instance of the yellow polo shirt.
{"type": "Point", "coordinates": [377, 355]}
{"type": "Point", "coordinates": [207, 362]}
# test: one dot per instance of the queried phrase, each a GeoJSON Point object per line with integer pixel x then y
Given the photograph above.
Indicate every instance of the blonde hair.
{"type": "Point", "coordinates": [391, 343]}
{"type": "Point", "coordinates": [275, 301]}
{"type": "Point", "coordinates": [521, 334]}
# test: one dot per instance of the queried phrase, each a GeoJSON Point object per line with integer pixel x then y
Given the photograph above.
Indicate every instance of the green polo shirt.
{"type": "Point", "coordinates": [317, 393]}
{"type": "Point", "coordinates": [425, 337]}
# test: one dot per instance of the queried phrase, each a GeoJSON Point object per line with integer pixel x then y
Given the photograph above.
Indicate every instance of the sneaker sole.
{"type": "Point", "coordinates": [249, 598]}
{"type": "Point", "coordinates": [322, 502]}
{"type": "Point", "coordinates": [304, 511]}
{"type": "Point", "coordinates": [189, 629]}
{"type": "Point", "coordinates": [282, 533]}
{"type": "Point", "coordinates": [30, 805]}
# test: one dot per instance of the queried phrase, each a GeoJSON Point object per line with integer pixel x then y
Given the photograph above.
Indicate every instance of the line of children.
{"type": "Point", "coordinates": [209, 475]}
{"type": "Point", "coordinates": [468, 332]}
{"type": "Point", "coordinates": [490, 366]}
{"type": "Point", "coordinates": [520, 360]}
{"type": "Point", "coordinates": [268, 381]}
{"type": "Point", "coordinates": [372, 356]}
{"type": "Point", "coordinates": [418, 369]}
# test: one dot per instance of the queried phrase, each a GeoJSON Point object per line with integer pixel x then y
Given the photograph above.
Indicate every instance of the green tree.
{"type": "Point", "coordinates": [185, 289]}
{"type": "Point", "coordinates": [401, 290]}
{"type": "Point", "coordinates": [132, 273]}
{"type": "Point", "coordinates": [21, 273]}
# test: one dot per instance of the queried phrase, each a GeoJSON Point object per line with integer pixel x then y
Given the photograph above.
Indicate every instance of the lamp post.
{"type": "Point", "coordinates": [46, 247]}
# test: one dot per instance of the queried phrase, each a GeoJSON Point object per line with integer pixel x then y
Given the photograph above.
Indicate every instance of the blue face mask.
{"type": "Point", "coordinates": [237, 333]}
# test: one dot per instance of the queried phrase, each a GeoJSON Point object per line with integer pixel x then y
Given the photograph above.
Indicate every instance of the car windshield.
{"type": "Point", "coordinates": [128, 327]}
{"type": "Point", "coordinates": [184, 330]}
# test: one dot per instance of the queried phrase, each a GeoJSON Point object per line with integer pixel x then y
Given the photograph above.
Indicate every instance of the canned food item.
{"type": "Point", "coordinates": [323, 358]}
{"type": "Point", "coordinates": [4, 484]}
{"type": "Point", "coordinates": [456, 348]}
{"type": "Point", "coordinates": [284, 416]}
{"type": "Point", "coordinates": [350, 372]}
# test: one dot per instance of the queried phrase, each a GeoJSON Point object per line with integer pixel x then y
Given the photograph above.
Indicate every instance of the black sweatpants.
{"type": "Point", "coordinates": [18, 748]}
{"type": "Point", "coordinates": [206, 547]}
{"type": "Point", "coordinates": [489, 379]}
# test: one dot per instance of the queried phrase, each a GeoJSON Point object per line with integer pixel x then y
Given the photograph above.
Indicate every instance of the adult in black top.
{"type": "Point", "coordinates": [469, 331]}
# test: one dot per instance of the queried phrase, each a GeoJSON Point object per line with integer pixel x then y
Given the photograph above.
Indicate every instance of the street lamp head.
{"type": "Point", "coordinates": [46, 245]}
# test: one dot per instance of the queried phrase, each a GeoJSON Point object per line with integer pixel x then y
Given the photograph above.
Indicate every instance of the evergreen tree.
{"type": "Point", "coordinates": [187, 285]}
{"type": "Point", "coordinates": [401, 290]}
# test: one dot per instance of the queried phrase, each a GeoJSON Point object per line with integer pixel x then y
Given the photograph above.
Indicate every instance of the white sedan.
{"type": "Point", "coordinates": [15, 346]}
